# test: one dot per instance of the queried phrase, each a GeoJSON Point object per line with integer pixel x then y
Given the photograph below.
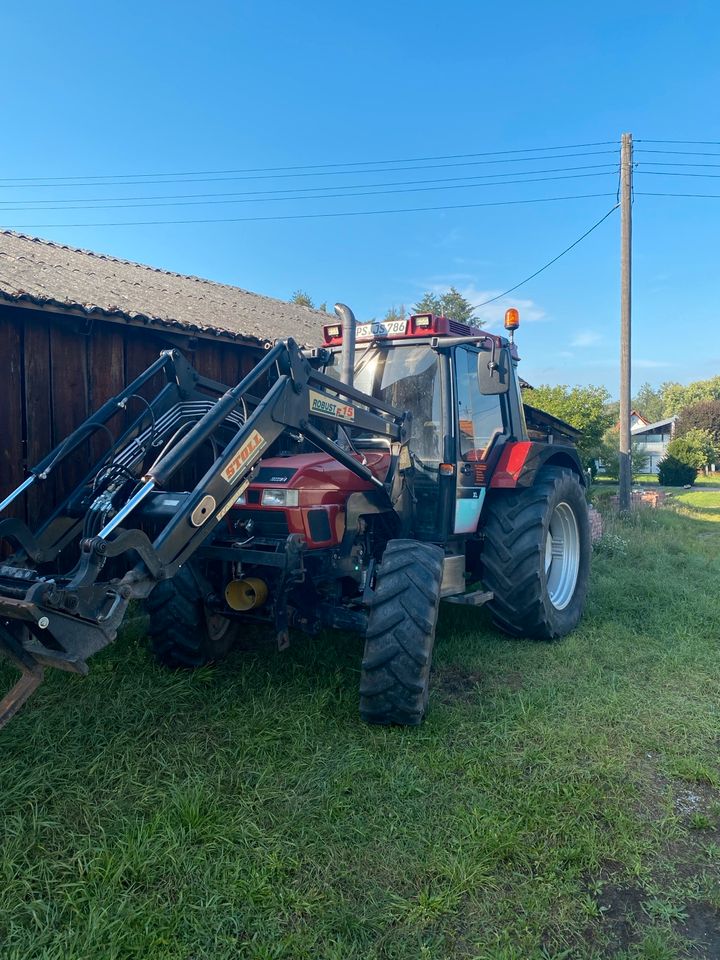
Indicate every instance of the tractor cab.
{"type": "Point", "coordinates": [460, 388]}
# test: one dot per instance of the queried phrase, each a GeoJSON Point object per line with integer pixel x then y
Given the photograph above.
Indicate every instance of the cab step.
{"type": "Point", "coordinates": [475, 599]}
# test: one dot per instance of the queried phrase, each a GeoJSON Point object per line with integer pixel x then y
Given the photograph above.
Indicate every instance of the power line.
{"type": "Point", "coordinates": [702, 196]}
{"type": "Point", "coordinates": [314, 166]}
{"type": "Point", "coordinates": [328, 173]}
{"type": "Point", "coordinates": [673, 173]}
{"type": "Point", "coordinates": [317, 189]}
{"type": "Point", "coordinates": [682, 153]}
{"type": "Point", "coordinates": [659, 163]}
{"type": "Point", "coordinates": [311, 216]}
{"type": "Point", "coordinates": [532, 276]}
{"type": "Point", "coordinates": [327, 196]}
{"type": "Point", "coordinates": [706, 143]}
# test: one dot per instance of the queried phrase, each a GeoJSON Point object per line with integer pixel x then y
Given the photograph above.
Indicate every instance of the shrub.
{"type": "Point", "coordinates": [695, 448]}
{"type": "Point", "coordinates": [672, 472]}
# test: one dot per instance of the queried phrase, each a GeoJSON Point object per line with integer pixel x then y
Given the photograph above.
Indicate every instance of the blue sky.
{"type": "Point", "coordinates": [161, 88]}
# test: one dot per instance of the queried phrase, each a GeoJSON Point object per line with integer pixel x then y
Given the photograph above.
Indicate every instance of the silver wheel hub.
{"type": "Point", "coordinates": [562, 555]}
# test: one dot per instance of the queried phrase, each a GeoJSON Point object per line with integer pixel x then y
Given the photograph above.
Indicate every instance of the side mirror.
{"type": "Point", "coordinates": [494, 370]}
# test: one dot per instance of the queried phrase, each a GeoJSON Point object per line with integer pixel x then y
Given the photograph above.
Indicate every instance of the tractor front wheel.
{"type": "Point", "coordinates": [394, 683]}
{"type": "Point", "coordinates": [185, 634]}
{"type": "Point", "coordinates": [536, 555]}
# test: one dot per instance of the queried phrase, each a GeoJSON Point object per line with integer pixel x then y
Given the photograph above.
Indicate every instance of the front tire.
{"type": "Point", "coordinates": [184, 633]}
{"type": "Point", "coordinates": [395, 677]}
{"type": "Point", "coordinates": [536, 555]}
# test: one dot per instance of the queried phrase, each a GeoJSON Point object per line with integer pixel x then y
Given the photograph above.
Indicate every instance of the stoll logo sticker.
{"type": "Point", "coordinates": [327, 407]}
{"type": "Point", "coordinates": [248, 452]}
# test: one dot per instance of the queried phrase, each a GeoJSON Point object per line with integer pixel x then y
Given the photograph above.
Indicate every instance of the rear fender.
{"type": "Point", "coordinates": [520, 461]}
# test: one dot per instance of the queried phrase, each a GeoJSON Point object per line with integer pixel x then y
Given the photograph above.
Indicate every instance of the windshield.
{"type": "Point", "coordinates": [408, 378]}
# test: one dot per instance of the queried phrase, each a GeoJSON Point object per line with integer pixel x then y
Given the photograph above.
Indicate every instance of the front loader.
{"type": "Point", "coordinates": [351, 486]}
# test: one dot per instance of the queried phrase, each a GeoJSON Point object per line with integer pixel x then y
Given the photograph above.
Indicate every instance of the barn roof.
{"type": "Point", "coordinates": [36, 272]}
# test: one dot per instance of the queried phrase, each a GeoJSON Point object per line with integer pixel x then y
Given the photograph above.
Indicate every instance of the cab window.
{"type": "Point", "coordinates": [408, 377]}
{"type": "Point", "coordinates": [479, 417]}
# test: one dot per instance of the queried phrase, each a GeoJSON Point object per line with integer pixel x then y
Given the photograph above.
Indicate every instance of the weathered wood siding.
{"type": "Point", "coordinates": [55, 370]}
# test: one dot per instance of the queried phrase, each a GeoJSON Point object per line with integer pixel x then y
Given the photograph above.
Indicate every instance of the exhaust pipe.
{"type": "Point", "coordinates": [244, 595]}
{"type": "Point", "coordinates": [349, 323]}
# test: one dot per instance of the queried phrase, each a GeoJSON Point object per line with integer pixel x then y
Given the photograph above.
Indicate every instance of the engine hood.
{"type": "Point", "coordinates": [318, 472]}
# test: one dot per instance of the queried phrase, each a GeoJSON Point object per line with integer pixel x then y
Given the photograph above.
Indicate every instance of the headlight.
{"type": "Point", "coordinates": [279, 498]}
{"type": "Point", "coordinates": [242, 498]}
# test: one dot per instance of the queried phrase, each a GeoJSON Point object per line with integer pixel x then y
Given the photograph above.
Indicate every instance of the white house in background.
{"type": "Point", "coordinates": [637, 419]}
{"type": "Point", "coordinates": [652, 439]}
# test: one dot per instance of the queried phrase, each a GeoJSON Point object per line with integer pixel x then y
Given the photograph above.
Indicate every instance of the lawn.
{"type": "Point", "coordinates": [711, 480]}
{"type": "Point", "coordinates": [562, 801]}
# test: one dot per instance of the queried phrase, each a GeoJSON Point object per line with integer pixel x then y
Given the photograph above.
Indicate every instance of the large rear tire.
{"type": "Point", "coordinates": [395, 678]}
{"type": "Point", "coordinates": [536, 555]}
{"type": "Point", "coordinates": [183, 632]}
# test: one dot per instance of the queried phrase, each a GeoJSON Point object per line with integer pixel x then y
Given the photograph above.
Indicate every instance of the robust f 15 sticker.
{"type": "Point", "coordinates": [245, 455]}
{"type": "Point", "coordinates": [327, 407]}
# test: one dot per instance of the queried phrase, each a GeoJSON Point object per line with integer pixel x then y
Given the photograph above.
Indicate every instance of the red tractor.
{"type": "Point", "coordinates": [352, 486]}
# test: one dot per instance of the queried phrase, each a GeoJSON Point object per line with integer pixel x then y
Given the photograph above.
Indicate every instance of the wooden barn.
{"type": "Point", "coordinates": [75, 326]}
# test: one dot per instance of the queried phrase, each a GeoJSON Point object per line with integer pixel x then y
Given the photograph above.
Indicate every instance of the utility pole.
{"type": "Point", "coordinates": [625, 478]}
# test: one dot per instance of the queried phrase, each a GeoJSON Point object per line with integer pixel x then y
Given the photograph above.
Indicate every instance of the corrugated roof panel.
{"type": "Point", "coordinates": [51, 274]}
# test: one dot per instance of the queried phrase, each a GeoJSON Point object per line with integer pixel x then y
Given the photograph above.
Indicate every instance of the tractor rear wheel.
{"type": "Point", "coordinates": [184, 633]}
{"type": "Point", "coordinates": [536, 555]}
{"type": "Point", "coordinates": [395, 677]}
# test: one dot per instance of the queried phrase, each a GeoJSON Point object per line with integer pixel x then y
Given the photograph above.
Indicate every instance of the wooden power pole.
{"type": "Point", "coordinates": [625, 478]}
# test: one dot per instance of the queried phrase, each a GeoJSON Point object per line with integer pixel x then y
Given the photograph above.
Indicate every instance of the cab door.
{"type": "Point", "coordinates": [479, 423]}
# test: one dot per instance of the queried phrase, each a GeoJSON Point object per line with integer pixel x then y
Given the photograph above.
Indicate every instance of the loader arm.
{"type": "Point", "coordinates": [60, 619]}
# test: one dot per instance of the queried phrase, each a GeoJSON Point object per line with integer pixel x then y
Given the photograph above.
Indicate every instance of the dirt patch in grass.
{"type": "Point", "coordinates": [622, 907]}
{"type": "Point", "coordinates": [678, 898]}
{"type": "Point", "coordinates": [702, 931]}
{"type": "Point", "coordinates": [453, 684]}
{"type": "Point", "coordinates": [456, 684]}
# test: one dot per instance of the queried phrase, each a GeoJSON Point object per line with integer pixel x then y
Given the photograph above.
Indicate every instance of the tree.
{"type": "Point", "coordinates": [700, 416]}
{"type": "Point", "coordinates": [397, 313]}
{"type": "Point", "coordinates": [583, 408]}
{"type": "Point", "coordinates": [649, 403]}
{"type": "Point", "coordinates": [302, 299]}
{"type": "Point", "coordinates": [450, 304]}
{"type": "Point", "coordinates": [610, 454]}
{"type": "Point", "coordinates": [676, 396]}
{"type": "Point", "coordinates": [429, 303]}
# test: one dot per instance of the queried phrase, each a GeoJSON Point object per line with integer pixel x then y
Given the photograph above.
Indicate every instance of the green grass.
{"type": "Point", "coordinates": [561, 801]}
{"type": "Point", "coordinates": [711, 480]}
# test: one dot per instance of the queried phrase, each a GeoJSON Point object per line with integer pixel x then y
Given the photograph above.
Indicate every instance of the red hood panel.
{"type": "Point", "coordinates": [324, 487]}
{"type": "Point", "coordinates": [319, 471]}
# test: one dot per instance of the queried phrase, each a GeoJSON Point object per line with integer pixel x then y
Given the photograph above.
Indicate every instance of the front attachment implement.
{"type": "Point", "coordinates": [35, 635]}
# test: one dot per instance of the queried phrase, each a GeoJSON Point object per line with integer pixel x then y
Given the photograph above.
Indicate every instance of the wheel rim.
{"type": "Point", "coordinates": [562, 555]}
{"type": "Point", "coordinates": [217, 626]}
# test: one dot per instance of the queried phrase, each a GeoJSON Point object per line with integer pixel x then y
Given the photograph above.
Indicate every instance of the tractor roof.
{"type": "Point", "coordinates": [416, 325]}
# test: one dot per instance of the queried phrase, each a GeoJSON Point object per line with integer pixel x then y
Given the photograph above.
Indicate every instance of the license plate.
{"type": "Point", "coordinates": [381, 328]}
